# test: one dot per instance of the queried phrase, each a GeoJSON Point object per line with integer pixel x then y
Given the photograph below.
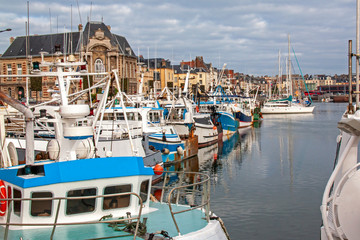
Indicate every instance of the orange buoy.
{"type": "Point", "coordinates": [157, 194]}
{"type": "Point", "coordinates": [214, 127]}
{"type": "Point", "coordinates": [215, 156]}
{"type": "Point", "coordinates": [158, 169]}
{"type": "Point", "coordinates": [3, 195]}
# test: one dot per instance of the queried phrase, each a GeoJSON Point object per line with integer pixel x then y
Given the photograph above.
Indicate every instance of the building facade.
{"type": "Point", "coordinates": [102, 50]}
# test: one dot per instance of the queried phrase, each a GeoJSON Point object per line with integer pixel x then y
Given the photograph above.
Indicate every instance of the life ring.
{"type": "Point", "coordinates": [3, 195]}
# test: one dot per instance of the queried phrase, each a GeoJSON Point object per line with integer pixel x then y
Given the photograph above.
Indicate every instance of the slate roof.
{"type": "Point", "coordinates": [46, 43]}
{"type": "Point", "coordinates": [39, 43]}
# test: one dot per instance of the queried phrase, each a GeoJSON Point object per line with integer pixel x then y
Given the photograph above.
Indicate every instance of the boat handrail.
{"type": "Point", "coordinates": [205, 198]}
{"type": "Point", "coordinates": [60, 199]}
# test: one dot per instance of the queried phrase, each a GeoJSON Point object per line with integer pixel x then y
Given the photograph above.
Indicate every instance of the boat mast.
{"type": "Point", "coordinates": [289, 66]}
{"type": "Point", "coordinates": [357, 52]}
{"type": "Point", "coordinates": [279, 74]}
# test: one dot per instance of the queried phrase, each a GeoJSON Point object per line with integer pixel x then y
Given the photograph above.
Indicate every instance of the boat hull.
{"type": "Point", "coordinates": [287, 110]}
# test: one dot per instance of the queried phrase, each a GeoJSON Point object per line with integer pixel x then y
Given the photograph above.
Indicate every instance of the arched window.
{"type": "Point", "coordinates": [99, 66]}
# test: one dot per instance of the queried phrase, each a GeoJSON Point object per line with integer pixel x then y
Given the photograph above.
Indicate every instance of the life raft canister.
{"type": "Point", "coordinates": [3, 195]}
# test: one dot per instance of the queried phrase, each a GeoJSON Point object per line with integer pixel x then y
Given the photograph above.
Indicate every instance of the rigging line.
{"type": "Point", "coordinates": [302, 76]}
{"type": "Point", "coordinates": [77, 2]}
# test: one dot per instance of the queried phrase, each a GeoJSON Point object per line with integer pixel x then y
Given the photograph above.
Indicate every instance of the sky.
{"type": "Point", "coordinates": [247, 35]}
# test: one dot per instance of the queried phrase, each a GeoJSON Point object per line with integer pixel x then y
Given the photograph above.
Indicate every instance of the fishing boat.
{"type": "Point", "coordinates": [340, 208]}
{"type": "Point", "coordinates": [76, 195]}
{"type": "Point", "coordinates": [106, 139]}
{"type": "Point", "coordinates": [184, 118]}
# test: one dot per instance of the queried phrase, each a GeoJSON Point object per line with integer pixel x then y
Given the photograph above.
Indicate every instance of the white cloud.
{"type": "Point", "coordinates": [246, 34]}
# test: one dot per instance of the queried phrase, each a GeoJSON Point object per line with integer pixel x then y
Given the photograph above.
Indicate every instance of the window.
{"type": "Point", "coordinates": [144, 188]}
{"type": "Point", "coordinates": [154, 117]}
{"type": "Point", "coordinates": [17, 204]}
{"type": "Point", "coordinates": [99, 66]}
{"type": "Point", "coordinates": [19, 70]}
{"type": "Point", "coordinates": [76, 206]}
{"type": "Point", "coordinates": [116, 201]}
{"type": "Point", "coordinates": [41, 208]}
{"type": "Point", "coordinates": [9, 91]}
{"type": "Point", "coordinates": [9, 71]}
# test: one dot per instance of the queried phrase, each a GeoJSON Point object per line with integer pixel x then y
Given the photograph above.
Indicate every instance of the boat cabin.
{"type": "Point", "coordinates": [75, 191]}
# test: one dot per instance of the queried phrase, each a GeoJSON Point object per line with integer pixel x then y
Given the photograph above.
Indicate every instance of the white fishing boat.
{"type": "Point", "coordinates": [75, 195]}
{"type": "Point", "coordinates": [184, 118]}
{"type": "Point", "coordinates": [340, 207]}
{"type": "Point", "coordinates": [47, 115]}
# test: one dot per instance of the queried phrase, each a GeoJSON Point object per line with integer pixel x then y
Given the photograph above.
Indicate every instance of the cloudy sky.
{"type": "Point", "coordinates": [245, 34]}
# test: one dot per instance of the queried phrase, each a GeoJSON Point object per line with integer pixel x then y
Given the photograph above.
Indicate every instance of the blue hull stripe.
{"type": "Point", "coordinates": [159, 135]}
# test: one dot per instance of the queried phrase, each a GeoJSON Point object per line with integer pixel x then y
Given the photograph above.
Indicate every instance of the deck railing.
{"type": "Point", "coordinates": [199, 184]}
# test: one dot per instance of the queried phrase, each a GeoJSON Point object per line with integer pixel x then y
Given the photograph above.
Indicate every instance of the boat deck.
{"type": "Point", "coordinates": [159, 219]}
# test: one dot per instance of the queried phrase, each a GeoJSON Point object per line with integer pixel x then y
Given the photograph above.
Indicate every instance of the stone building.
{"type": "Point", "coordinates": [95, 44]}
{"type": "Point", "coordinates": [158, 74]}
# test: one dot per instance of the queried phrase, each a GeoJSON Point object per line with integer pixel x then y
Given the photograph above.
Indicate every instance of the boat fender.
{"type": "Point", "coordinates": [108, 154]}
{"type": "Point", "coordinates": [180, 150]}
{"type": "Point", "coordinates": [3, 195]}
{"type": "Point", "coordinates": [165, 151]}
{"type": "Point", "coordinates": [13, 154]}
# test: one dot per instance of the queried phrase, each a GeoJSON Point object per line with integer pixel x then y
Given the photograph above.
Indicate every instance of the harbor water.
{"type": "Point", "coordinates": [268, 181]}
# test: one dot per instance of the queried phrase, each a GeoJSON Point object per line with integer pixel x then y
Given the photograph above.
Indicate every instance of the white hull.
{"type": "Point", "coordinates": [206, 135]}
{"type": "Point", "coordinates": [287, 110]}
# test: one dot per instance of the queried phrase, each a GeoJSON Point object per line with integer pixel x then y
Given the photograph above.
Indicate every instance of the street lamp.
{"type": "Point", "coordinates": [6, 30]}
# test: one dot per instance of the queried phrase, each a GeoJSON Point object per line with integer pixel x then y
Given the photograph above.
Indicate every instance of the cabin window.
{"type": "Point", "coordinates": [144, 189]}
{"type": "Point", "coordinates": [131, 116]}
{"type": "Point", "coordinates": [17, 203]}
{"type": "Point", "coordinates": [108, 116]}
{"type": "Point", "coordinates": [80, 205]}
{"type": "Point", "coordinates": [120, 116]}
{"type": "Point", "coordinates": [117, 201]}
{"type": "Point", "coordinates": [41, 208]}
{"type": "Point", "coordinates": [154, 117]}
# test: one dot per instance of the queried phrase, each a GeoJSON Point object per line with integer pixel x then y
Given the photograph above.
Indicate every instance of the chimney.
{"type": "Point", "coordinates": [12, 40]}
{"type": "Point", "coordinates": [80, 27]}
